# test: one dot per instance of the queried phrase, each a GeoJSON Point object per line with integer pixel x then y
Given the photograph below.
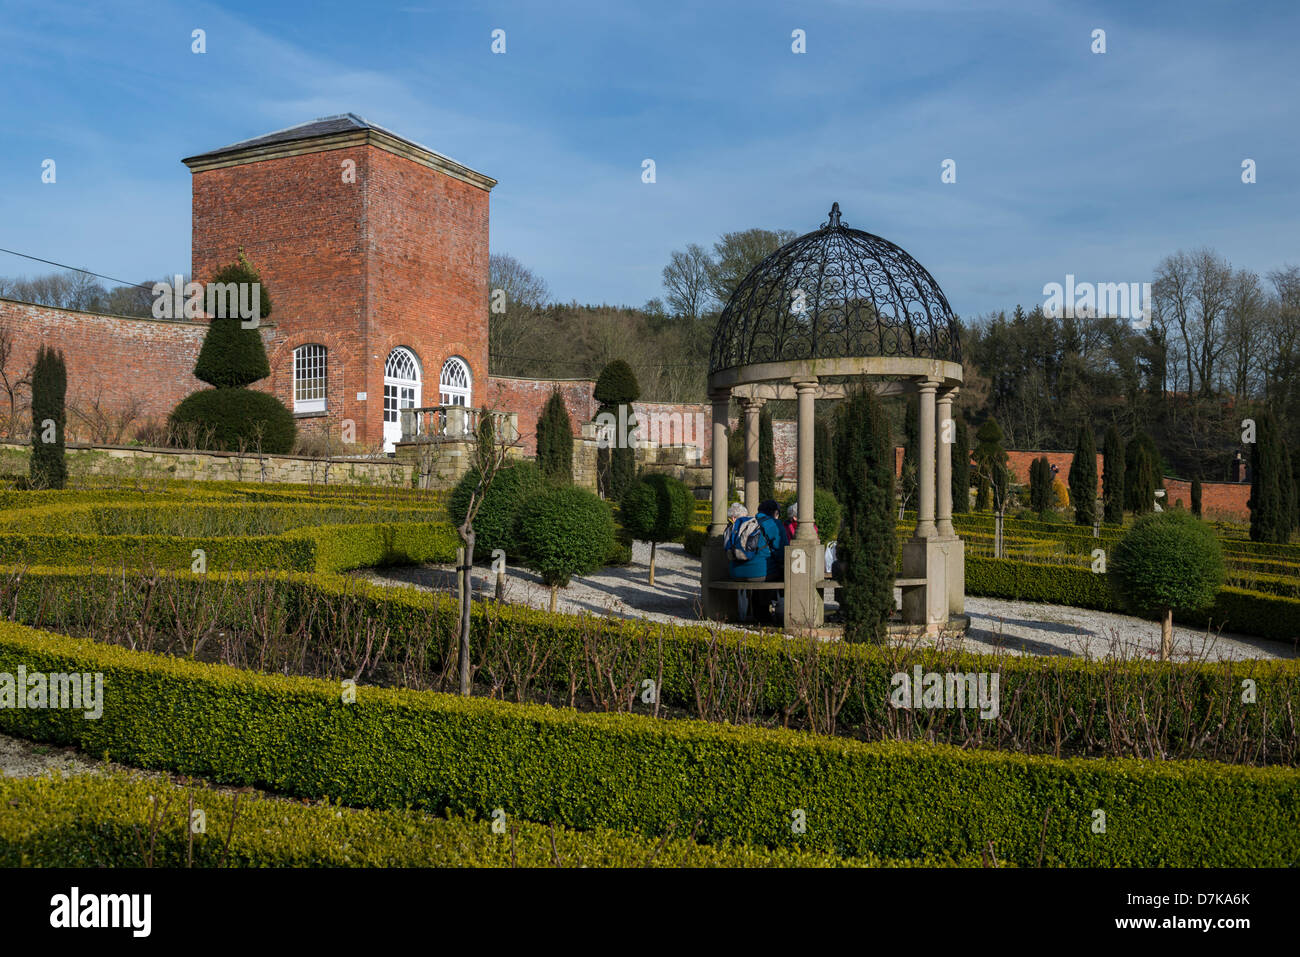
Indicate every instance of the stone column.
{"type": "Point", "coordinates": [752, 407]}
{"type": "Point", "coordinates": [806, 390]}
{"type": "Point", "coordinates": [719, 604]}
{"type": "Point", "coordinates": [925, 527]}
{"type": "Point", "coordinates": [943, 477]}
{"type": "Point", "coordinates": [721, 399]}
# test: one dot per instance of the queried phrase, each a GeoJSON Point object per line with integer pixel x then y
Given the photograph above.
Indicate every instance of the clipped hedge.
{"type": "Point", "coordinates": [1235, 609]}
{"type": "Point", "coordinates": [328, 548]}
{"type": "Point", "coordinates": [396, 749]}
{"type": "Point", "coordinates": [1054, 704]}
{"type": "Point", "coordinates": [94, 820]}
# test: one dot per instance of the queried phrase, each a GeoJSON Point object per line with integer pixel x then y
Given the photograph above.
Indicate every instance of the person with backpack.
{"type": "Point", "coordinates": [755, 550]}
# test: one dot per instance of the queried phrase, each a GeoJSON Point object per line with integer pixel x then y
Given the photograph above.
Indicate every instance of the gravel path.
{"type": "Point", "coordinates": [1015, 627]}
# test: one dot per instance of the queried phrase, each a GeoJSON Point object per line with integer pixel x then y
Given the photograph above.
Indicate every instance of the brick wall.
{"type": "Point", "coordinates": [1019, 462]}
{"type": "Point", "coordinates": [303, 228]}
{"type": "Point", "coordinates": [427, 272]}
{"type": "Point", "coordinates": [1218, 499]}
{"type": "Point", "coordinates": [527, 397]}
{"type": "Point", "coordinates": [123, 361]}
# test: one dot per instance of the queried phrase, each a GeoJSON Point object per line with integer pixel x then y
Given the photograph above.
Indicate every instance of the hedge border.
{"type": "Point", "coordinates": [397, 748]}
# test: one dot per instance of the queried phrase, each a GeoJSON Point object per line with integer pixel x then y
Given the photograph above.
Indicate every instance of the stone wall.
{"type": "Point", "coordinates": [149, 463]}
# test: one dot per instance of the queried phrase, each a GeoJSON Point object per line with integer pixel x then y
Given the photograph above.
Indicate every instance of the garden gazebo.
{"type": "Point", "coordinates": [834, 306]}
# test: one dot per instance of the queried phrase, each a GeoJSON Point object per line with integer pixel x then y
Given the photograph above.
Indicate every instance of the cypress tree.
{"type": "Point", "coordinates": [1268, 495]}
{"type": "Point", "coordinates": [961, 470]}
{"type": "Point", "coordinates": [1287, 478]}
{"type": "Point", "coordinates": [1040, 484]}
{"type": "Point", "coordinates": [48, 466]}
{"type": "Point", "coordinates": [1083, 478]}
{"type": "Point", "coordinates": [617, 387]}
{"type": "Point", "coordinates": [1196, 496]}
{"type": "Point", "coordinates": [555, 440]}
{"type": "Point", "coordinates": [911, 451]}
{"type": "Point", "coordinates": [766, 456]}
{"type": "Point", "coordinates": [1112, 479]}
{"type": "Point", "coordinates": [1140, 474]}
{"type": "Point", "coordinates": [824, 451]}
{"type": "Point", "coordinates": [864, 452]}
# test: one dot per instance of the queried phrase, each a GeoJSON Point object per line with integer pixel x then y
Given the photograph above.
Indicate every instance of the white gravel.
{"type": "Point", "coordinates": [1014, 627]}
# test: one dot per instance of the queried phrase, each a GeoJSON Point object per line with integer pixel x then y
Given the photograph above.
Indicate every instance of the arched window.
{"type": "Point", "coordinates": [454, 383]}
{"type": "Point", "coordinates": [401, 391]}
{"type": "Point", "coordinates": [309, 378]}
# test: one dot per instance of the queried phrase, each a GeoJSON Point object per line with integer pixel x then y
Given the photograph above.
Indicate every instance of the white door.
{"type": "Point", "coordinates": [401, 391]}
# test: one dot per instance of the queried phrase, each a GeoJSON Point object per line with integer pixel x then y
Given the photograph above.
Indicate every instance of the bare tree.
{"type": "Point", "coordinates": [11, 380]}
{"type": "Point", "coordinates": [1172, 295]}
{"type": "Point", "coordinates": [1211, 294]}
{"type": "Point", "coordinates": [488, 458]}
{"type": "Point", "coordinates": [686, 279]}
{"type": "Point", "coordinates": [1245, 332]}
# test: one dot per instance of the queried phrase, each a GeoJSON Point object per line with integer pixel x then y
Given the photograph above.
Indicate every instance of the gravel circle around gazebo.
{"type": "Point", "coordinates": [1013, 627]}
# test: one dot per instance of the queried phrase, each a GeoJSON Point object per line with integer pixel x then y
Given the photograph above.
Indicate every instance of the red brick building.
{"type": "Point", "coordinates": [375, 251]}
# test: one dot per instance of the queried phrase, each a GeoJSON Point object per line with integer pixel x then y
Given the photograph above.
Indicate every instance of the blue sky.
{"type": "Point", "coordinates": [1067, 161]}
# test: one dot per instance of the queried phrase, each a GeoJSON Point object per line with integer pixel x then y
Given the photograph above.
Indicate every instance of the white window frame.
{"type": "Point", "coordinates": [450, 390]}
{"type": "Point", "coordinates": [310, 377]}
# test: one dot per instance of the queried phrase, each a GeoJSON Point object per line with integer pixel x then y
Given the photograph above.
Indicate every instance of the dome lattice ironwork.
{"type": "Point", "coordinates": [835, 293]}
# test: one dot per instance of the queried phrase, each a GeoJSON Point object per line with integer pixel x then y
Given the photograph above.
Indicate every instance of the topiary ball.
{"type": "Point", "coordinates": [1167, 560]}
{"type": "Point", "coordinates": [229, 419]}
{"type": "Point", "coordinates": [565, 531]}
{"type": "Point", "coordinates": [494, 525]}
{"type": "Point", "coordinates": [657, 508]}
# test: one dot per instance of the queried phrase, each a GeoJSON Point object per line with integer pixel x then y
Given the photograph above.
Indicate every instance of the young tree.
{"type": "Point", "coordinates": [961, 470]}
{"type": "Point", "coordinates": [656, 508]}
{"type": "Point", "coordinates": [991, 467]}
{"type": "Point", "coordinates": [48, 467]}
{"type": "Point", "coordinates": [1196, 496]}
{"type": "Point", "coordinates": [232, 358]}
{"type": "Point", "coordinates": [864, 451]}
{"type": "Point", "coordinates": [1083, 478]}
{"type": "Point", "coordinates": [565, 531]}
{"type": "Point", "coordinates": [1166, 563]}
{"type": "Point", "coordinates": [616, 389]}
{"type": "Point", "coordinates": [1269, 490]}
{"type": "Point", "coordinates": [555, 440]}
{"type": "Point", "coordinates": [766, 456]}
{"type": "Point", "coordinates": [1112, 477]}
{"type": "Point", "coordinates": [488, 460]}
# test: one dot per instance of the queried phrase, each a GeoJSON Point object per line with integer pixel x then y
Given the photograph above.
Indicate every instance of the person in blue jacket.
{"type": "Point", "coordinates": [767, 563]}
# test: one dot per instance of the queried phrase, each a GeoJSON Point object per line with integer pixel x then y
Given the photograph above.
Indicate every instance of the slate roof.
{"type": "Point", "coordinates": [325, 126]}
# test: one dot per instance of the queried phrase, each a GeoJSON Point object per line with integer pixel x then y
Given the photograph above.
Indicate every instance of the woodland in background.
{"type": "Point", "coordinates": [1222, 344]}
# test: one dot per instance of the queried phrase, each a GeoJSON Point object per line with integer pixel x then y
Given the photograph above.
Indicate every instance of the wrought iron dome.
{"type": "Point", "coordinates": [835, 293]}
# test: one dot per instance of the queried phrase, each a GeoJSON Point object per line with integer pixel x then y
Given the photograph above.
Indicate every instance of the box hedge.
{"type": "Point", "coordinates": [96, 820]}
{"type": "Point", "coordinates": [397, 749]}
